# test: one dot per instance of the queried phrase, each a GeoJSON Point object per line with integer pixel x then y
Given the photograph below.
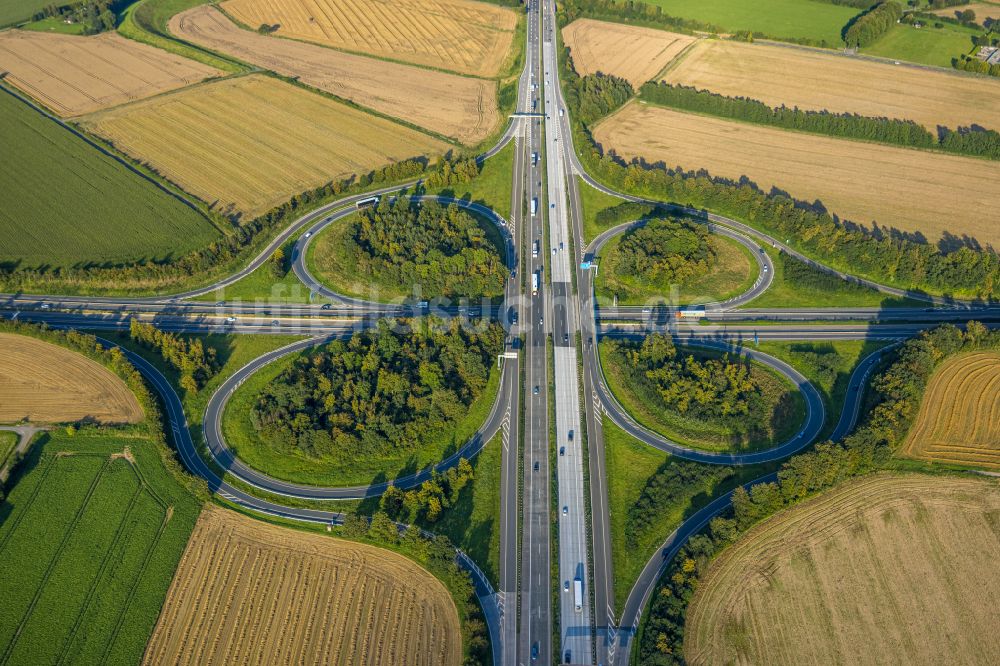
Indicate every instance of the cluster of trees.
{"type": "Point", "coordinates": [94, 15]}
{"type": "Point", "coordinates": [278, 264]}
{"type": "Point", "coordinates": [388, 388]}
{"type": "Point", "coordinates": [628, 211]}
{"type": "Point", "coordinates": [877, 255]}
{"type": "Point", "coordinates": [671, 484]}
{"type": "Point", "coordinates": [868, 27]}
{"type": "Point", "coordinates": [437, 555]}
{"type": "Point", "coordinates": [713, 389]}
{"type": "Point", "coordinates": [857, 4]}
{"type": "Point", "coordinates": [665, 251]}
{"type": "Point", "coordinates": [596, 95]}
{"type": "Point", "coordinates": [195, 362]}
{"type": "Point", "coordinates": [437, 493]}
{"type": "Point", "coordinates": [897, 395]}
{"type": "Point", "coordinates": [970, 64]}
{"type": "Point", "coordinates": [441, 248]}
{"type": "Point", "coordinates": [452, 173]}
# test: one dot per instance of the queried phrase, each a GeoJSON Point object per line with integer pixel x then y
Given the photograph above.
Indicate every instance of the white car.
{"type": "Point", "coordinates": [230, 319]}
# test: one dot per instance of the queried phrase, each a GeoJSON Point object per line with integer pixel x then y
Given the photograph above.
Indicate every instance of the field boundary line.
{"type": "Point", "coordinates": [5, 658]}
{"type": "Point", "coordinates": [31, 500]}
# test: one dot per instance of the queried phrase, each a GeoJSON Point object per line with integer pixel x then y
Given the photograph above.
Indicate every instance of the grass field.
{"type": "Point", "coordinates": [16, 11]}
{"type": "Point", "coordinates": [250, 592]}
{"type": "Point", "coordinates": [959, 417]}
{"type": "Point", "coordinates": [733, 273]}
{"type": "Point", "coordinates": [90, 535]}
{"type": "Point", "coordinates": [788, 19]}
{"type": "Point", "coordinates": [631, 52]}
{"type": "Point", "coordinates": [819, 81]}
{"type": "Point", "coordinates": [76, 75]}
{"type": "Point", "coordinates": [914, 191]}
{"type": "Point", "coordinates": [44, 383]}
{"type": "Point", "coordinates": [456, 106]}
{"type": "Point", "coordinates": [784, 401]}
{"type": "Point", "coordinates": [926, 45]}
{"type": "Point", "coordinates": [491, 187]}
{"type": "Point", "coordinates": [827, 365]}
{"type": "Point", "coordinates": [457, 35]}
{"type": "Point", "coordinates": [301, 468]}
{"type": "Point", "coordinates": [268, 141]}
{"type": "Point", "coordinates": [64, 203]}
{"type": "Point", "coordinates": [885, 569]}
{"type": "Point", "coordinates": [8, 440]}
{"type": "Point", "coordinates": [54, 24]}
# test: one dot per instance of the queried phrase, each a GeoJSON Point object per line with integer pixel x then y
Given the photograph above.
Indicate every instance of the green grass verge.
{"type": "Point", "coordinates": [473, 522]}
{"type": "Point", "coordinates": [828, 365]}
{"type": "Point", "coordinates": [788, 408]}
{"type": "Point", "coordinates": [926, 45]}
{"type": "Point", "coordinates": [630, 464]}
{"type": "Point", "coordinates": [796, 284]}
{"type": "Point", "coordinates": [54, 24]}
{"type": "Point", "coordinates": [787, 19]}
{"type": "Point", "coordinates": [491, 187]}
{"type": "Point", "coordinates": [64, 203]}
{"type": "Point", "coordinates": [592, 202]}
{"type": "Point", "coordinates": [734, 273]}
{"type": "Point", "coordinates": [440, 441]}
{"type": "Point", "coordinates": [146, 21]}
{"type": "Point", "coordinates": [8, 440]}
{"type": "Point", "coordinates": [90, 543]}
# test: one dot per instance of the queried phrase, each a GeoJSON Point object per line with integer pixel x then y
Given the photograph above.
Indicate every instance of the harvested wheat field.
{"type": "Point", "coordinates": [911, 190]}
{"type": "Point", "coordinates": [888, 569]}
{"type": "Point", "coordinates": [247, 144]}
{"type": "Point", "coordinates": [45, 383]}
{"type": "Point", "coordinates": [247, 592]}
{"type": "Point", "coordinates": [75, 75]}
{"type": "Point", "coordinates": [983, 10]}
{"type": "Point", "coordinates": [633, 53]}
{"type": "Point", "coordinates": [457, 106]}
{"type": "Point", "coordinates": [816, 80]}
{"type": "Point", "coordinates": [457, 35]}
{"type": "Point", "coordinates": [959, 418]}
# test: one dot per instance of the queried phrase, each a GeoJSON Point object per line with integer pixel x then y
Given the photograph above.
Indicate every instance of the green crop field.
{"type": "Point", "coordinates": [90, 536]}
{"type": "Point", "coordinates": [8, 440]}
{"type": "Point", "coordinates": [17, 11]}
{"type": "Point", "coordinates": [926, 45]}
{"type": "Point", "coordinates": [64, 203]}
{"type": "Point", "coordinates": [788, 19]}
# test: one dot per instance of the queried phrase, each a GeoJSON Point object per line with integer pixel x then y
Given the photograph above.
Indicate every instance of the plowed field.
{"type": "Point", "coordinates": [959, 418]}
{"type": "Point", "coordinates": [816, 80]}
{"type": "Point", "coordinates": [911, 190]}
{"type": "Point", "coordinates": [45, 383]}
{"type": "Point", "coordinates": [251, 593]}
{"type": "Point", "coordinates": [887, 569]}
{"type": "Point", "coordinates": [76, 75]}
{"type": "Point", "coordinates": [247, 144]}
{"type": "Point", "coordinates": [633, 53]}
{"type": "Point", "coordinates": [457, 35]}
{"type": "Point", "coordinates": [457, 106]}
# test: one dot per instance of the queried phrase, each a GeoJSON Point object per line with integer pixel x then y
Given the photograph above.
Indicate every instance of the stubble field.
{"type": "Point", "coordinates": [983, 10]}
{"type": "Point", "coordinates": [245, 145]}
{"type": "Point", "coordinates": [816, 80]}
{"type": "Point", "coordinates": [76, 75]}
{"type": "Point", "coordinates": [886, 569]}
{"type": "Point", "coordinates": [456, 106]}
{"type": "Point", "coordinates": [959, 418]}
{"type": "Point", "coordinates": [457, 35]}
{"type": "Point", "coordinates": [249, 592]}
{"type": "Point", "coordinates": [911, 190]}
{"type": "Point", "coordinates": [631, 52]}
{"type": "Point", "coordinates": [45, 383]}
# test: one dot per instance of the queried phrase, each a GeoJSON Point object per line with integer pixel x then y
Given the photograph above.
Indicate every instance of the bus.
{"type": "Point", "coordinates": [366, 203]}
{"type": "Point", "coordinates": [534, 284]}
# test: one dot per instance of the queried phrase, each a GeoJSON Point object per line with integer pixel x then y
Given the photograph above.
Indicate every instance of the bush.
{"type": "Point", "coordinates": [868, 27]}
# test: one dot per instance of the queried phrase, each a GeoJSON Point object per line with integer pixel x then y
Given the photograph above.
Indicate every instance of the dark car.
{"type": "Point", "coordinates": [536, 465]}
{"type": "Point", "coordinates": [562, 450]}
{"type": "Point", "coordinates": [534, 651]}
{"type": "Point", "coordinates": [567, 657]}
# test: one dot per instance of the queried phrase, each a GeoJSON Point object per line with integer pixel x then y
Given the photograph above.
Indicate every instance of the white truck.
{"type": "Point", "coordinates": [534, 284]}
{"type": "Point", "coordinates": [534, 206]}
{"type": "Point", "coordinates": [534, 249]}
{"type": "Point", "coordinates": [578, 594]}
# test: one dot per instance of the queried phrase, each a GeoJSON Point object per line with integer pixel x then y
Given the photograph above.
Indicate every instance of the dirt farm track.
{"type": "Point", "coordinates": [44, 383]}
{"type": "Point", "coordinates": [280, 596]}
{"type": "Point", "coordinates": [885, 569]}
